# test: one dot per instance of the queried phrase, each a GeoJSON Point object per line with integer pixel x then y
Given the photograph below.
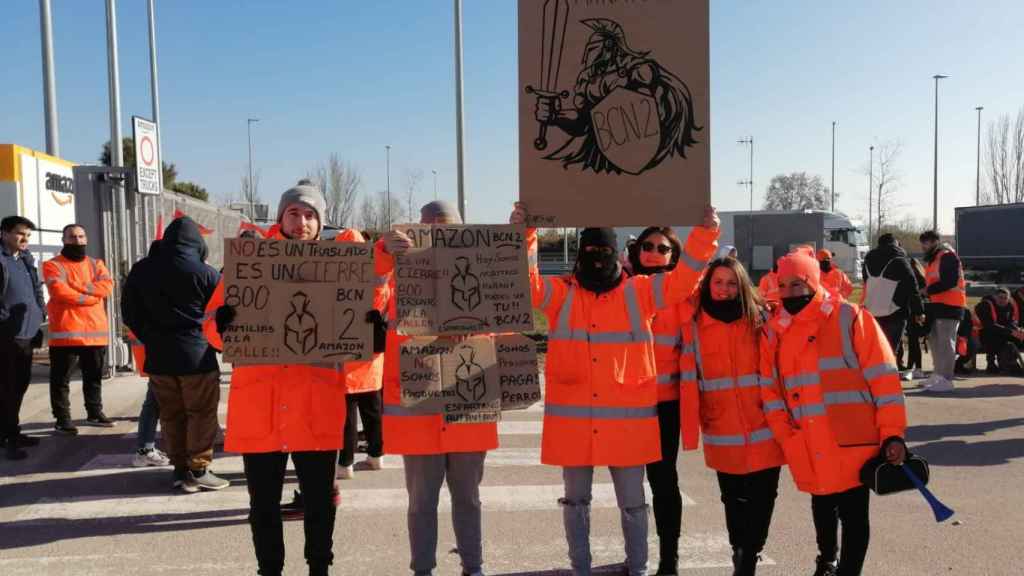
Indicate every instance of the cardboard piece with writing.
{"type": "Point", "coordinates": [463, 279]}
{"type": "Point", "coordinates": [298, 302]}
{"type": "Point", "coordinates": [471, 380]}
{"type": "Point", "coordinates": [614, 112]}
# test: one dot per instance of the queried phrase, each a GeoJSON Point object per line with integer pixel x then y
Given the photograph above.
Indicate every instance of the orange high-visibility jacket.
{"type": "Point", "coordinates": [138, 353]}
{"type": "Point", "coordinates": [737, 439]}
{"type": "Point", "coordinates": [77, 308]}
{"type": "Point", "coordinates": [667, 348]}
{"type": "Point", "coordinates": [600, 406]}
{"type": "Point", "coordinates": [367, 376]}
{"type": "Point", "coordinates": [834, 395]}
{"type": "Point", "coordinates": [280, 407]}
{"type": "Point", "coordinates": [837, 283]}
{"type": "Point", "coordinates": [953, 297]}
{"type": "Point", "coordinates": [768, 287]}
{"type": "Point", "coordinates": [412, 430]}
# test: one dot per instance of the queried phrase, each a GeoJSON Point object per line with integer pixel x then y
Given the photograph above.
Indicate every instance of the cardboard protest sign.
{"type": "Point", "coordinates": [462, 279]}
{"type": "Point", "coordinates": [298, 302]}
{"type": "Point", "coordinates": [471, 380]}
{"type": "Point", "coordinates": [614, 112]}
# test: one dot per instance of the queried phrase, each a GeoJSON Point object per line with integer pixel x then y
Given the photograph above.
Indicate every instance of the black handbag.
{"type": "Point", "coordinates": [885, 478]}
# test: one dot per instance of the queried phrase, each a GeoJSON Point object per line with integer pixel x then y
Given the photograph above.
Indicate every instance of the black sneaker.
{"type": "Point", "coordinates": [65, 427]}
{"type": "Point", "coordinates": [100, 420]}
{"type": "Point", "coordinates": [11, 450]}
{"type": "Point", "coordinates": [825, 567]}
{"type": "Point", "coordinates": [179, 478]}
{"type": "Point", "coordinates": [27, 441]}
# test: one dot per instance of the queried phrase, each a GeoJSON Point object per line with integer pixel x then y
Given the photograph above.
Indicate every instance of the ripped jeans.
{"type": "Point", "coordinates": [629, 493]}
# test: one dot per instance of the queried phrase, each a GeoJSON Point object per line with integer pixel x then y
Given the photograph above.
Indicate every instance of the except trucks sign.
{"type": "Point", "coordinates": [298, 302]}
{"type": "Point", "coordinates": [147, 158]}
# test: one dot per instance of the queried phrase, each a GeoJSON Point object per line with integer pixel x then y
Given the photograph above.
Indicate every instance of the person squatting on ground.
{"type": "Point", "coordinates": [721, 362]}
{"type": "Point", "coordinates": [658, 250]}
{"type": "Point", "coordinates": [947, 298]}
{"type": "Point", "coordinates": [891, 292]}
{"type": "Point", "coordinates": [79, 286]}
{"type": "Point", "coordinates": [432, 451]}
{"type": "Point", "coordinates": [22, 313]}
{"type": "Point", "coordinates": [1002, 336]}
{"type": "Point", "coordinates": [833, 278]}
{"type": "Point", "coordinates": [601, 380]}
{"type": "Point", "coordinates": [163, 304]}
{"type": "Point", "coordinates": [833, 399]}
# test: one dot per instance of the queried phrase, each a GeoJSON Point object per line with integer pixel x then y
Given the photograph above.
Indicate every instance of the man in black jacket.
{"type": "Point", "coordinates": [891, 291]}
{"type": "Point", "coordinates": [164, 304]}
{"type": "Point", "coordinates": [1001, 334]}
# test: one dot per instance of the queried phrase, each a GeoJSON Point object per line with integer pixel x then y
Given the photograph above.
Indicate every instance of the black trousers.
{"type": "Point", "coordinates": [664, 479]}
{"type": "Point", "coordinates": [62, 363]}
{"type": "Point", "coordinates": [15, 373]}
{"type": "Point", "coordinates": [369, 406]}
{"type": "Point", "coordinates": [893, 325]}
{"type": "Point", "coordinates": [850, 508]}
{"type": "Point", "coordinates": [264, 474]}
{"type": "Point", "coordinates": [749, 501]}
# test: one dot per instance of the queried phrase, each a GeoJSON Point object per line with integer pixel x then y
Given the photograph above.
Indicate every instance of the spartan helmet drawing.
{"type": "Point", "coordinates": [301, 331]}
{"type": "Point", "coordinates": [470, 383]}
{"type": "Point", "coordinates": [466, 294]}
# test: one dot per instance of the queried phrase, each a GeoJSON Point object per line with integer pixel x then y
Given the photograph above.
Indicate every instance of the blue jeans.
{"type": "Point", "coordinates": [148, 417]}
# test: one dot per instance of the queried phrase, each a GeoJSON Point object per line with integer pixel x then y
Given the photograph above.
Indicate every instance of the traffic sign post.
{"type": "Point", "coordinates": [147, 157]}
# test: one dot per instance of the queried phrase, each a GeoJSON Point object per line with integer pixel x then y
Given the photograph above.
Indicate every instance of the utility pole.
{"type": "Point", "coordinates": [154, 90]}
{"type": "Point", "coordinates": [252, 183]}
{"type": "Point", "coordinates": [387, 170]}
{"type": "Point", "coordinates": [49, 82]}
{"type": "Point", "coordinates": [977, 180]}
{"type": "Point", "coordinates": [459, 117]}
{"type": "Point", "coordinates": [833, 166]}
{"type": "Point", "coordinates": [750, 181]}
{"type": "Point", "coordinates": [935, 176]}
{"type": "Point", "coordinates": [435, 184]}
{"type": "Point", "coordinates": [871, 188]}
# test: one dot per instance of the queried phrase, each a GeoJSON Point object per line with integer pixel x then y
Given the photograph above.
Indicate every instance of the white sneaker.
{"type": "Point", "coordinates": [941, 385]}
{"type": "Point", "coordinates": [907, 376]}
{"type": "Point", "coordinates": [346, 472]}
{"type": "Point", "coordinates": [152, 457]}
{"type": "Point", "coordinates": [375, 462]}
{"type": "Point", "coordinates": [930, 381]}
{"type": "Point", "coordinates": [918, 374]}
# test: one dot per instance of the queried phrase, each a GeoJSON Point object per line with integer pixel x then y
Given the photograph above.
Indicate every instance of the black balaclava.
{"type": "Point", "coordinates": [74, 252]}
{"type": "Point", "coordinates": [794, 304]}
{"type": "Point", "coordinates": [826, 266]}
{"type": "Point", "coordinates": [597, 271]}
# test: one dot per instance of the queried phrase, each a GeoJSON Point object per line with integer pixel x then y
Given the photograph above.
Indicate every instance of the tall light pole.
{"type": "Point", "coordinates": [833, 166]}
{"type": "Point", "coordinates": [435, 184]}
{"type": "Point", "coordinates": [750, 180]}
{"type": "Point", "coordinates": [977, 177]}
{"type": "Point", "coordinates": [935, 166]}
{"type": "Point", "coordinates": [871, 187]}
{"type": "Point", "coordinates": [252, 184]}
{"type": "Point", "coordinates": [154, 90]}
{"type": "Point", "coordinates": [49, 82]}
{"type": "Point", "coordinates": [387, 188]}
{"type": "Point", "coordinates": [461, 169]}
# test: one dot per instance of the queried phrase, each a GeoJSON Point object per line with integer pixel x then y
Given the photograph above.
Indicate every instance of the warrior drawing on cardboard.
{"type": "Point", "coordinates": [628, 114]}
{"type": "Point", "coordinates": [301, 331]}
{"type": "Point", "coordinates": [470, 380]}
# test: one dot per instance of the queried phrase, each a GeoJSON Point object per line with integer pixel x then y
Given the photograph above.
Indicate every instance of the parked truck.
{"type": "Point", "coordinates": [990, 239]}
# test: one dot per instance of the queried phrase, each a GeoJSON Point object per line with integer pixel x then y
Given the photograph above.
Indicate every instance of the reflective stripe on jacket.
{"type": "Point", "coordinates": [77, 305]}
{"type": "Point", "coordinates": [600, 406]}
{"type": "Point", "coordinates": [835, 394]}
{"type": "Point", "coordinates": [956, 296]}
{"type": "Point", "coordinates": [737, 439]}
{"type": "Point", "coordinates": [412, 431]}
{"type": "Point", "coordinates": [667, 348]}
{"type": "Point", "coordinates": [280, 407]}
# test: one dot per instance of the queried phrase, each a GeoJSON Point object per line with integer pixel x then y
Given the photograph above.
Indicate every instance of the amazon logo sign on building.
{"type": "Point", "coordinates": [61, 188]}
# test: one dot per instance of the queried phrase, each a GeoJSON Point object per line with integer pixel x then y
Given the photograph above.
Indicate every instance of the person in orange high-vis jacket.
{"type": "Point", "coordinates": [79, 286]}
{"type": "Point", "coordinates": [600, 406]}
{"type": "Point", "coordinates": [946, 290]}
{"type": "Point", "coordinates": [833, 401]}
{"type": "Point", "coordinates": [833, 278]}
{"type": "Point", "coordinates": [768, 288]}
{"type": "Point", "coordinates": [276, 411]}
{"type": "Point", "coordinates": [433, 452]}
{"type": "Point", "coordinates": [725, 372]}
{"type": "Point", "coordinates": [658, 250]}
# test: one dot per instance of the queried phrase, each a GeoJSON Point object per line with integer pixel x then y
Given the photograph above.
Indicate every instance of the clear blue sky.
{"type": "Point", "coordinates": [350, 77]}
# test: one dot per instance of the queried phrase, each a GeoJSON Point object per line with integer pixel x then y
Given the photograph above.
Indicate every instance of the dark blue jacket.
{"type": "Point", "coordinates": [22, 310]}
{"type": "Point", "coordinates": [164, 303]}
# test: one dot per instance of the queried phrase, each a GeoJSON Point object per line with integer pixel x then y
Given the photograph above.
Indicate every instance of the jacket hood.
{"type": "Point", "coordinates": [183, 237]}
{"type": "Point", "coordinates": [878, 258]}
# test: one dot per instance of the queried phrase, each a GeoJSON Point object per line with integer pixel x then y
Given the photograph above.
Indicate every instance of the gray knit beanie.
{"type": "Point", "coordinates": [440, 210]}
{"type": "Point", "coordinates": [307, 193]}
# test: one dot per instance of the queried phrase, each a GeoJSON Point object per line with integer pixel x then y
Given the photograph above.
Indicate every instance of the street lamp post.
{"type": "Point", "coordinates": [252, 185]}
{"type": "Point", "coordinates": [750, 181]}
{"type": "Point", "coordinates": [977, 177]}
{"type": "Point", "coordinates": [49, 82]}
{"type": "Point", "coordinates": [387, 175]}
{"type": "Point", "coordinates": [459, 115]}
{"type": "Point", "coordinates": [435, 184]}
{"type": "Point", "coordinates": [871, 186]}
{"type": "Point", "coordinates": [833, 166]}
{"type": "Point", "coordinates": [935, 166]}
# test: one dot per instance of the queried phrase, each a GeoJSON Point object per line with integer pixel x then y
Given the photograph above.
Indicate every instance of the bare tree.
{"type": "Point", "coordinates": [412, 184]}
{"type": "Point", "coordinates": [340, 182]}
{"type": "Point", "coordinates": [796, 191]}
{"type": "Point", "coordinates": [1005, 159]}
{"type": "Point", "coordinates": [887, 181]}
{"type": "Point", "coordinates": [373, 213]}
{"type": "Point", "coordinates": [907, 230]}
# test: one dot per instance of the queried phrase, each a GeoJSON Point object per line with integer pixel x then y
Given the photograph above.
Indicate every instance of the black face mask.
{"type": "Point", "coordinates": [596, 278]}
{"type": "Point", "coordinates": [794, 304]}
{"type": "Point", "coordinates": [74, 252]}
{"type": "Point", "coordinates": [826, 266]}
{"type": "Point", "coordinates": [727, 311]}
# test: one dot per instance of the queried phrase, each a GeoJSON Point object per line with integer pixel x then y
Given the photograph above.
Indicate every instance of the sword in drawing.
{"type": "Point", "coordinates": [555, 20]}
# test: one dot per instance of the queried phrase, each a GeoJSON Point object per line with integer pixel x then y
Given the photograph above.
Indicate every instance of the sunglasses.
{"type": "Point", "coordinates": [651, 247]}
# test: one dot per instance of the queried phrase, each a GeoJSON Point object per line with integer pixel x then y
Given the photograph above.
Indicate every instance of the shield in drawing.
{"type": "Point", "coordinates": [626, 126]}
